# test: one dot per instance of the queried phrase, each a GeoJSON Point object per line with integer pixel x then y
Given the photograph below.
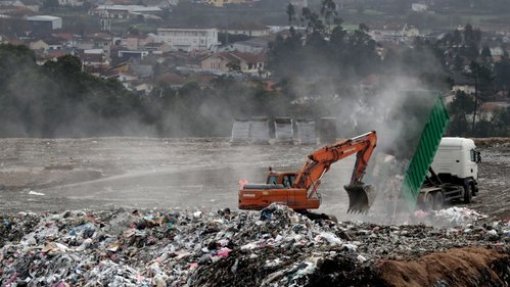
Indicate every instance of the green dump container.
{"type": "Point", "coordinates": [425, 151]}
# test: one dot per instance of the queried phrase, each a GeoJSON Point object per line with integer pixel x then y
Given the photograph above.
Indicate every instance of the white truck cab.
{"type": "Point", "coordinates": [456, 162]}
{"type": "Point", "coordinates": [458, 157]}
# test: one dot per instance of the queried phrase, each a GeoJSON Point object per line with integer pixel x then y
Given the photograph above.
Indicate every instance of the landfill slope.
{"type": "Point", "coordinates": [274, 247]}
{"type": "Point", "coordinates": [471, 266]}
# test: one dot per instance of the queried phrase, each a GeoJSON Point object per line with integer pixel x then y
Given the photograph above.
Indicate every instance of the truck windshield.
{"type": "Point", "coordinates": [473, 155]}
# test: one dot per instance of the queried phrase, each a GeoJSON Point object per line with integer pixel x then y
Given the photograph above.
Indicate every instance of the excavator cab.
{"type": "Point", "coordinates": [284, 178]}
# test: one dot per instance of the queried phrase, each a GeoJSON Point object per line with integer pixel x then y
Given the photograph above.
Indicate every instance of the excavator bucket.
{"type": "Point", "coordinates": [361, 197]}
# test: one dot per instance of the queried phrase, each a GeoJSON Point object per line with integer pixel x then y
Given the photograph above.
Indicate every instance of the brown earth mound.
{"type": "Point", "coordinates": [454, 267]}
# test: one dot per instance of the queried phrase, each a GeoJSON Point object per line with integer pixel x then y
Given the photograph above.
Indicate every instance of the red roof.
{"type": "Point", "coordinates": [494, 106]}
{"type": "Point", "coordinates": [63, 36]}
{"type": "Point", "coordinates": [250, 57]}
{"type": "Point", "coordinates": [236, 55]}
{"type": "Point", "coordinates": [172, 78]}
{"type": "Point", "coordinates": [55, 54]}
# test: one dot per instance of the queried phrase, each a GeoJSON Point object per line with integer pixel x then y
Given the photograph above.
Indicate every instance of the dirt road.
{"type": "Point", "coordinates": [99, 173]}
{"type": "Point", "coordinates": [55, 175]}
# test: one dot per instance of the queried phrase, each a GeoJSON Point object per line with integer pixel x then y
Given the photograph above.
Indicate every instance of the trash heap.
{"type": "Point", "coordinates": [274, 247]}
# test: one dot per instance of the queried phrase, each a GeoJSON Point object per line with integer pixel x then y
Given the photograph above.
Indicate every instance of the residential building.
{"type": "Point", "coordinates": [94, 61]}
{"type": "Point", "coordinates": [188, 39]}
{"type": "Point", "coordinates": [419, 7]}
{"type": "Point", "coordinates": [44, 24]}
{"type": "Point", "coordinates": [125, 11]}
{"type": "Point", "coordinates": [247, 30]}
{"type": "Point", "coordinates": [466, 88]}
{"type": "Point", "coordinates": [71, 3]}
{"type": "Point", "coordinates": [489, 109]}
{"type": "Point", "coordinates": [38, 45]}
{"type": "Point", "coordinates": [299, 4]}
{"type": "Point", "coordinates": [226, 62]}
{"type": "Point", "coordinates": [31, 5]}
{"type": "Point", "coordinates": [172, 80]}
{"type": "Point", "coordinates": [220, 3]}
{"type": "Point", "coordinates": [134, 55]}
{"type": "Point", "coordinates": [255, 45]}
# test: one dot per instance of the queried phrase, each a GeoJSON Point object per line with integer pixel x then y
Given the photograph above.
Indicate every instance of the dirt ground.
{"type": "Point", "coordinates": [99, 173]}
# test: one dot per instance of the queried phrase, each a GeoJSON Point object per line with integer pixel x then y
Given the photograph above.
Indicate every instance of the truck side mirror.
{"type": "Point", "coordinates": [478, 157]}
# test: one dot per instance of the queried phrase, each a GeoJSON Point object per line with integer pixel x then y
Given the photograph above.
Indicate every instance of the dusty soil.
{"type": "Point", "coordinates": [143, 173]}
{"type": "Point", "coordinates": [494, 179]}
{"type": "Point", "coordinates": [98, 173]}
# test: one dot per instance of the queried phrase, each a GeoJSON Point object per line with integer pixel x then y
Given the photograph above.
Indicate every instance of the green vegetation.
{"type": "Point", "coordinates": [58, 99]}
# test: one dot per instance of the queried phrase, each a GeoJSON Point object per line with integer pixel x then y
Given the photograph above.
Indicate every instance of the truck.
{"type": "Point", "coordinates": [453, 174]}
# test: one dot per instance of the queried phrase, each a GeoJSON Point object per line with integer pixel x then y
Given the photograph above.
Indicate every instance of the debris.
{"type": "Point", "coordinates": [274, 247]}
{"type": "Point", "coordinates": [35, 193]}
{"type": "Point", "coordinates": [458, 215]}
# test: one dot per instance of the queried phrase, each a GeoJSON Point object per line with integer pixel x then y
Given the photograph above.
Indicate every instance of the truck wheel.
{"type": "Point", "coordinates": [428, 202]}
{"type": "Point", "coordinates": [438, 200]}
{"type": "Point", "coordinates": [473, 189]}
{"type": "Point", "coordinates": [468, 194]}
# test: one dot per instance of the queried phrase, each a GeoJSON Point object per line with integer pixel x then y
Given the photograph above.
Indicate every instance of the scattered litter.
{"type": "Point", "coordinates": [459, 215]}
{"type": "Point", "coordinates": [35, 193]}
{"type": "Point", "coordinates": [274, 247]}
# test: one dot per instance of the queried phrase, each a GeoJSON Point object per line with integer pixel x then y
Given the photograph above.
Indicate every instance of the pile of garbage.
{"type": "Point", "coordinates": [274, 247]}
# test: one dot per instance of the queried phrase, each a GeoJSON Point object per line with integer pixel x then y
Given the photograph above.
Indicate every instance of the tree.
{"type": "Point", "coordinates": [328, 11]}
{"type": "Point", "coordinates": [486, 54]}
{"type": "Point", "coordinates": [456, 37]}
{"type": "Point", "coordinates": [234, 66]}
{"type": "Point", "coordinates": [314, 23]}
{"type": "Point", "coordinates": [459, 109]}
{"type": "Point", "coordinates": [502, 74]}
{"type": "Point", "coordinates": [291, 13]}
{"type": "Point", "coordinates": [50, 4]}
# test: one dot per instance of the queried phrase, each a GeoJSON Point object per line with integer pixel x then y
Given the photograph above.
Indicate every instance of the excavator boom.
{"type": "Point", "coordinates": [299, 190]}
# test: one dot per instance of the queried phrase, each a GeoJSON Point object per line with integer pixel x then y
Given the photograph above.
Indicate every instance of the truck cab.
{"type": "Point", "coordinates": [456, 162]}
{"type": "Point", "coordinates": [453, 173]}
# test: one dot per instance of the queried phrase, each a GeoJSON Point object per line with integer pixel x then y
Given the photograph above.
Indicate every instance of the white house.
{"type": "Point", "coordinates": [53, 21]}
{"type": "Point", "coordinates": [466, 88]}
{"type": "Point", "coordinates": [125, 11]}
{"type": "Point", "coordinates": [71, 3]}
{"type": "Point", "coordinates": [299, 3]}
{"type": "Point", "coordinates": [419, 7]}
{"type": "Point", "coordinates": [489, 109]}
{"type": "Point", "coordinates": [255, 45]}
{"type": "Point", "coordinates": [188, 39]}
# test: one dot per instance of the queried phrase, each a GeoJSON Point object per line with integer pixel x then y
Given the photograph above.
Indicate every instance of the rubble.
{"type": "Point", "coordinates": [274, 247]}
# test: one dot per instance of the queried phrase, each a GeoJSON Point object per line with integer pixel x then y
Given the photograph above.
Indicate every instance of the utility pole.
{"type": "Point", "coordinates": [476, 100]}
{"type": "Point", "coordinates": [228, 20]}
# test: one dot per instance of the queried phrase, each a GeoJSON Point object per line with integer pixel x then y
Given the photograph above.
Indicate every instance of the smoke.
{"type": "Point", "coordinates": [396, 104]}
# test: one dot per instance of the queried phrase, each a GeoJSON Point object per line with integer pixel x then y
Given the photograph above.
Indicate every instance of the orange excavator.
{"type": "Point", "coordinates": [298, 190]}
